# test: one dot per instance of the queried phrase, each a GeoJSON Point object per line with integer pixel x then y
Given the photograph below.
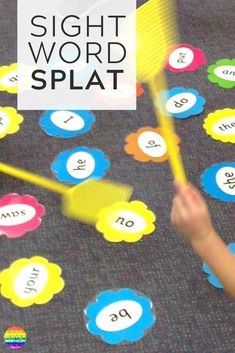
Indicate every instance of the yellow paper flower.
{"type": "Point", "coordinates": [9, 121]}
{"type": "Point", "coordinates": [125, 221]}
{"type": "Point", "coordinates": [31, 281]}
{"type": "Point", "coordinates": [9, 77]}
{"type": "Point", "coordinates": [220, 125]}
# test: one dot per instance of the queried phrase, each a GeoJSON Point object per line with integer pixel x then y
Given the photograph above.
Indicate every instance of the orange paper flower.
{"type": "Point", "coordinates": [148, 145]}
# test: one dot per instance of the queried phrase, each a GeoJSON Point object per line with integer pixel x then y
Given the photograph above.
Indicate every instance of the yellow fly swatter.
{"type": "Point", "coordinates": [82, 202]}
{"type": "Point", "coordinates": [156, 32]}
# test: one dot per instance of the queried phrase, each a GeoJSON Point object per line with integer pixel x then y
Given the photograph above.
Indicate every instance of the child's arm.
{"type": "Point", "coordinates": [190, 216]}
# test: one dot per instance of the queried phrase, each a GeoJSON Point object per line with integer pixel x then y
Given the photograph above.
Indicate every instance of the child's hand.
{"type": "Point", "coordinates": [190, 215]}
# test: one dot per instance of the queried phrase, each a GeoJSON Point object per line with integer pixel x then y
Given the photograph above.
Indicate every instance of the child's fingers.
{"type": "Point", "coordinates": [175, 213]}
{"type": "Point", "coordinates": [179, 205]}
{"type": "Point", "coordinates": [196, 194]}
{"type": "Point", "coordinates": [189, 195]}
{"type": "Point", "coordinates": [177, 185]}
{"type": "Point", "coordinates": [185, 196]}
{"type": "Point", "coordinates": [174, 216]}
{"type": "Point", "coordinates": [181, 192]}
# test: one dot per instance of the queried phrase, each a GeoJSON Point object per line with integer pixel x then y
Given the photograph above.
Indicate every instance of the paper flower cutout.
{"type": "Point", "coordinates": [219, 181]}
{"type": "Point", "coordinates": [220, 125]}
{"type": "Point", "coordinates": [80, 164]}
{"type": "Point", "coordinates": [9, 77]}
{"type": "Point", "coordinates": [181, 102]}
{"type": "Point", "coordinates": [9, 121]}
{"type": "Point", "coordinates": [125, 221]}
{"type": "Point", "coordinates": [148, 145]}
{"type": "Point", "coordinates": [31, 281]}
{"type": "Point", "coordinates": [222, 73]}
{"type": "Point", "coordinates": [19, 215]}
{"type": "Point", "coordinates": [211, 277]}
{"type": "Point", "coordinates": [139, 90]}
{"type": "Point", "coordinates": [66, 123]}
{"type": "Point", "coordinates": [184, 57]}
{"type": "Point", "coordinates": [121, 316]}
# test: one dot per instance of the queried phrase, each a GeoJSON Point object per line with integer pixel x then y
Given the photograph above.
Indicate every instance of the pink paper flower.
{"type": "Point", "coordinates": [184, 57]}
{"type": "Point", "coordinates": [19, 215]}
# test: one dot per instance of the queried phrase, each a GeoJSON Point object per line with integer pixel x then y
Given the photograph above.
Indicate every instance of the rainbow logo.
{"type": "Point", "coordinates": [15, 337]}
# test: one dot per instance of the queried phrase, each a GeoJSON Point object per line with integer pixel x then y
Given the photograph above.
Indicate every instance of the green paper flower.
{"type": "Point", "coordinates": [222, 73]}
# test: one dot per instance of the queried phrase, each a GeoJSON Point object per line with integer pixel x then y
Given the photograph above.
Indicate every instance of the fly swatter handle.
{"type": "Point", "coordinates": [167, 123]}
{"type": "Point", "coordinates": [33, 178]}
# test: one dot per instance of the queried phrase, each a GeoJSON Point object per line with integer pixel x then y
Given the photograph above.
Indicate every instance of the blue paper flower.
{"type": "Point", "coordinates": [67, 123]}
{"type": "Point", "coordinates": [212, 278]}
{"type": "Point", "coordinates": [186, 102]}
{"type": "Point", "coordinates": [220, 182]}
{"type": "Point", "coordinates": [125, 315]}
{"type": "Point", "coordinates": [80, 164]}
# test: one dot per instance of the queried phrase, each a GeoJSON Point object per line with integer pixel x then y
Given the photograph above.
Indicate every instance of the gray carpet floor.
{"type": "Point", "coordinates": [191, 315]}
